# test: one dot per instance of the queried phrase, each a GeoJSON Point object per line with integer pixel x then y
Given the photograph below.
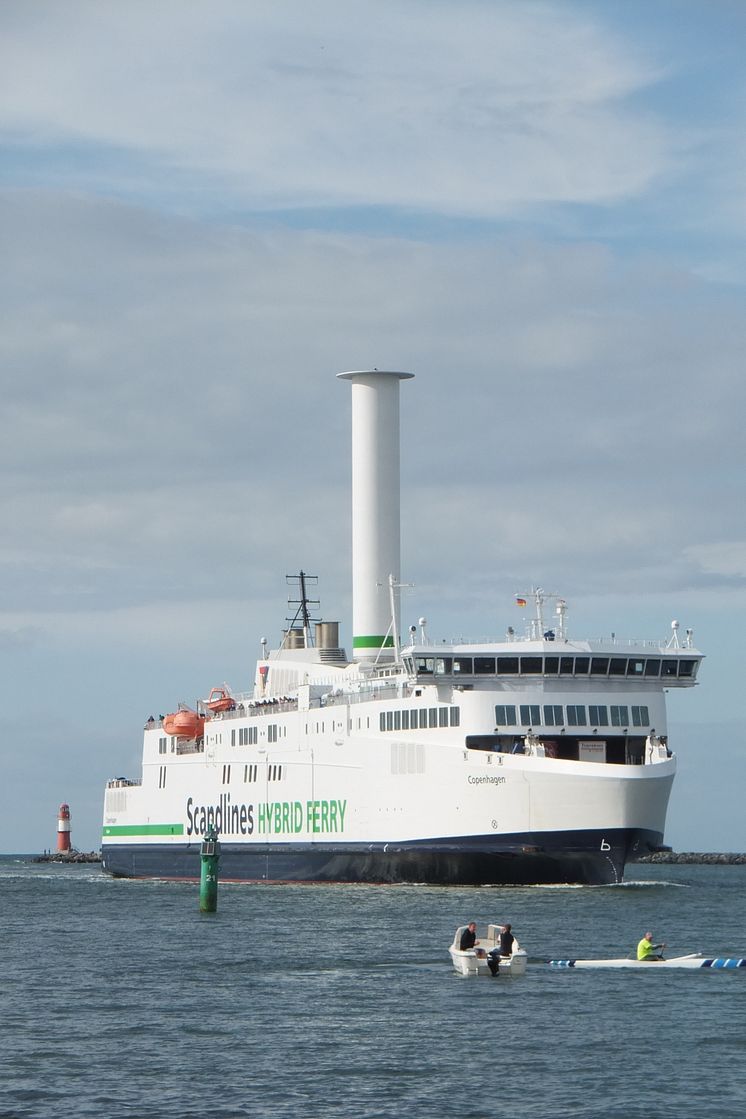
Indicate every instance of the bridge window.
{"type": "Point", "coordinates": [668, 668]}
{"type": "Point", "coordinates": [598, 716]}
{"type": "Point", "coordinates": [443, 666]}
{"type": "Point", "coordinates": [582, 665]}
{"type": "Point", "coordinates": [567, 666]}
{"type": "Point", "coordinates": [463, 665]}
{"type": "Point", "coordinates": [687, 668]}
{"type": "Point", "coordinates": [635, 667]}
{"type": "Point", "coordinates": [530, 666]}
{"type": "Point", "coordinates": [618, 666]}
{"type": "Point", "coordinates": [619, 715]}
{"type": "Point", "coordinates": [551, 666]}
{"type": "Point", "coordinates": [530, 714]}
{"type": "Point", "coordinates": [505, 716]}
{"type": "Point", "coordinates": [425, 666]}
{"type": "Point", "coordinates": [599, 666]}
{"type": "Point", "coordinates": [553, 715]}
{"type": "Point", "coordinates": [576, 715]}
{"type": "Point", "coordinates": [652, 667]}
{"type": "Point", "coordinates": [484, 666]}
{"type": "Point", "coordinates": [640, 717]}
{"type": "Point", "coordinates": [507, 666]}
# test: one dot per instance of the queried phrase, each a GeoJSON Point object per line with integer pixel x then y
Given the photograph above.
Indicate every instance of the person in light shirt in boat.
{"type": "Point", "coordinates": [646, 950]}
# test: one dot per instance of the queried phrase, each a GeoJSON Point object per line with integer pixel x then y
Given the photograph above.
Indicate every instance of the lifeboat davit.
{"type": "Point", "coordinates": [220, 700]}
{"type": "Point", "coordinates": [184, 723]}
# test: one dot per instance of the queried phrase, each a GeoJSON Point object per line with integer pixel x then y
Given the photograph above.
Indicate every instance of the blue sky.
{"type": "Point", "coordinates": [209, 210]}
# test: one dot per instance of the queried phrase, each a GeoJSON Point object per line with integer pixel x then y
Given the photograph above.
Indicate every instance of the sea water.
{"type": "Point", "coordinates": [120, 999]}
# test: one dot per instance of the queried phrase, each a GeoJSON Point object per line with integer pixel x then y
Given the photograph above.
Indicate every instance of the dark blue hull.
{"type": "Point", "coordinates": [587, 858]}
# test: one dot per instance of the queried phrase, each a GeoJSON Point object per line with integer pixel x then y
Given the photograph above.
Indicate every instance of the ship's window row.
{"type": "Point", "coordinates": [420, 718]}
{"type": "Point", "coordinates": [640, 667]}
{"type": "Point", "coordinates": [250, 773]}
{"type": "Point", "coordinates": [575, 715]}
{"type": "Point", "coordinates": [247, 736]}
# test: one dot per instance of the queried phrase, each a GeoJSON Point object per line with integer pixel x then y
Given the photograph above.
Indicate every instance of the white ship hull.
{"type": "Point", "coordinates": [362, 809]}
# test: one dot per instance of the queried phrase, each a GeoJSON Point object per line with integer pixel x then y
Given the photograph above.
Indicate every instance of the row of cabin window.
{"type": "Point", "coordinates": [247, 736]}
{"type": "Point", "coordinates": [251, 773]}
{"type": "Point", "coordinates": [420, 718]}
{"type": "Point", "coordinates": [551, 715]}
{"type": "Point", "coordinates": [650, 667]}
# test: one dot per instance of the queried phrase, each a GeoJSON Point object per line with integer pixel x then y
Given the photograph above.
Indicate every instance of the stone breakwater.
{"type": "Point", "coordinates": [709, 857]}
{"type": "Point", "coordinates": [69, 857]}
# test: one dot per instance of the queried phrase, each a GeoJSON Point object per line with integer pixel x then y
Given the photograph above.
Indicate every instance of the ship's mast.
{"type": "Point", "coordinates": [536, 627]}
{"type": "Point", "coordinates": [303, 614]}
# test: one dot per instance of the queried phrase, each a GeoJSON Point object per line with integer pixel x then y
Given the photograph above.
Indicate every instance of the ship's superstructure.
{"type": "Point", "coordinates": [534, 758]}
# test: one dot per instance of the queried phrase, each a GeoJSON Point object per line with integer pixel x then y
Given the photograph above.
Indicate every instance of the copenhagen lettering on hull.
{"type": "Point", "coordinates": [281, 817]}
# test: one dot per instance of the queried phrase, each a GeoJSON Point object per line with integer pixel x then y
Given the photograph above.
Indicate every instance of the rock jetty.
{"type": "Point", "coordinates": [69, 857]}
{"type": "Point", "coordinates": [709, 858]}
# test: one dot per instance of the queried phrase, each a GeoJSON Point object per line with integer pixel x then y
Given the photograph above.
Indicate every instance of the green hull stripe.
{"type": "Point", "coordinates": [143, 829]}
{"type": "Point", "coordinates": [373, 642]}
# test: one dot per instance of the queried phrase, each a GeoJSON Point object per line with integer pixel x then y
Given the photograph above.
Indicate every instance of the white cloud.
{"type": "Point", "coordinates": [176, 429]}
{"type": "Point", "coordinates": [504, 106]}
{"type": "Point", "coordinates": [726, 557]}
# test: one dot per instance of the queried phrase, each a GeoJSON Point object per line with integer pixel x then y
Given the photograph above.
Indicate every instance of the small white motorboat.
{"type": "Point", "coordinates": [484, 958]}
{"type": "Point", "coordinates": [694, 960]}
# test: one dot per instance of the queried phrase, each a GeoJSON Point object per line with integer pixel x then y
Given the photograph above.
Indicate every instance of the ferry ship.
{"type": "Point", "coordinates": [535, 758]}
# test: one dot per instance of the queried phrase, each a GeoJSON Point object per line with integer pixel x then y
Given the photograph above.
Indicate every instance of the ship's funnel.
{"type": "Point", "coordinates": [375, 508]}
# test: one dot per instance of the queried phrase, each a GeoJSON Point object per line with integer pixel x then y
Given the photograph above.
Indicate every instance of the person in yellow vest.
{"type": "Point", "coordinates": [646, 950]}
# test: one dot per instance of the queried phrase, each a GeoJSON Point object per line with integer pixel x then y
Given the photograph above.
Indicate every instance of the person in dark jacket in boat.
{"type": "Point", "coordinates": [505, 950]}
{"type": "Point", "coordinates": [506, 941]}
{"type": "Point", "coordinates": [468, 937]}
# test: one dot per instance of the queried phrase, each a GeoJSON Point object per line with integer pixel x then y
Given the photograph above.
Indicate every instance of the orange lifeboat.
{"type": "Point", "coordinates": [220, 700]}
{"type": "Point", "coordinates": [184, 723]}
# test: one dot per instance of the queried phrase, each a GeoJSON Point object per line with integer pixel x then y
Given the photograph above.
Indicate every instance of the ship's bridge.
{"type": "Point", "coordinates": [591, 660]}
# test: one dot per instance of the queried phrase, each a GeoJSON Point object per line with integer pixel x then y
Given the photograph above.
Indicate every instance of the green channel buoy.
{"type": "Point", "coordinates": [208, 882]}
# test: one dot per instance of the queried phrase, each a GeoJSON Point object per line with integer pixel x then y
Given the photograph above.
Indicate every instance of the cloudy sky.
{"type": "Point", "coordinates": [208, 210]}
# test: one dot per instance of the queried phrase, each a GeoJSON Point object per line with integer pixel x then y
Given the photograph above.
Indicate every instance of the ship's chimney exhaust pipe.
{"type": "Point", "coordinates": [376, 529]}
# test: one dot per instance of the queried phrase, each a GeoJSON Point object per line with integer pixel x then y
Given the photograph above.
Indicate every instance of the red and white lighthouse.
{"type": "Point", "coordinates": [63, 828]}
